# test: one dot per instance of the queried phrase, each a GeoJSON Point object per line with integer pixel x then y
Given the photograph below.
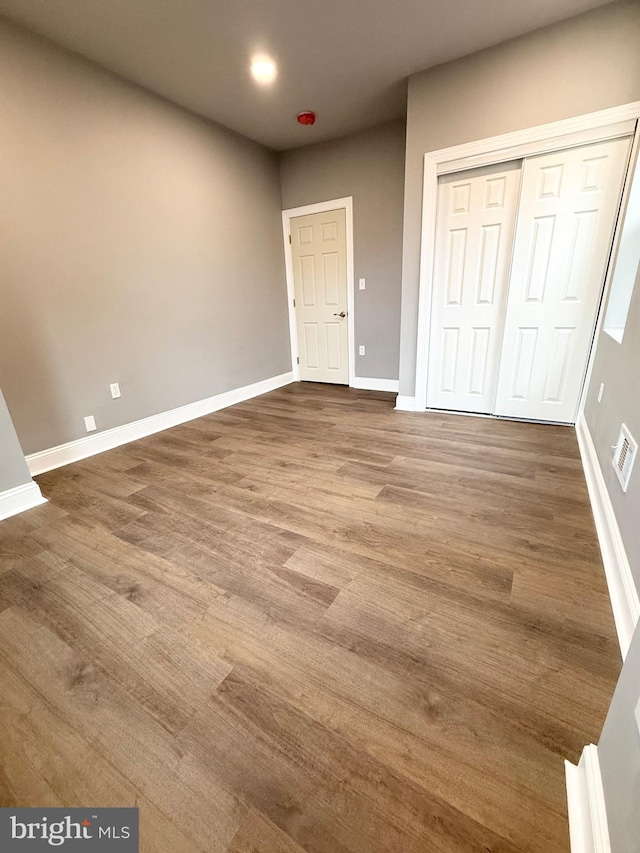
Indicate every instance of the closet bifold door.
{"type": "Point", "coordinates": [476, 212]}
{"type": "Point", "coordinates": [568, 207]}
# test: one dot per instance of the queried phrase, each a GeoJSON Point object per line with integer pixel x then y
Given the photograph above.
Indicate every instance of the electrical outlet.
{"type": "Point", "coordinates": [638, 716]}
{"type": "Point", "coordinates": [361, 283]}
{"type": "Point", "coordinates": [90, 423]}
{"type": "Point", "coordinates": [115, 390]}
{"type": "Point", "coordinates": [361, 350]}
{"type": "Point", "coordinates": [601, 392]}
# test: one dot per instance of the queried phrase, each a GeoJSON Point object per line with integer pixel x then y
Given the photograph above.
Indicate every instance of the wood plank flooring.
{"type": "Point", "coordinates": [310, 623]}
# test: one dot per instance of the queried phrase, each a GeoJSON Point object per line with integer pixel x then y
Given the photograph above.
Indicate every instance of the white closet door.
{"type": "Point", "coordinates": [568, 207]}
{"type": "Point", "coordinates": [474, 236]}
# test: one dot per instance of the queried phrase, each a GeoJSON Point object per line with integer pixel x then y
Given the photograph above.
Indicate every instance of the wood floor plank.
{"type": "Point", "coordinates": [321, 769]}
{"type": "Point", "coordinates": [259, 835]}
{"type": "Point", "coordinates": [159, 587]}
{"type": "Point", "coordinates": [310, 623]}
{"type": "Point", "coordinates": [140, 749]}
{"type": "Point", "coordinates": [415, 725]}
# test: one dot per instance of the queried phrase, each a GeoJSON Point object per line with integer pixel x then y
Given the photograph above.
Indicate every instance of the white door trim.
{"type": "Point", "coordinates": [321, 207]}
{"type": "Point", "coordinates": [545, 138]}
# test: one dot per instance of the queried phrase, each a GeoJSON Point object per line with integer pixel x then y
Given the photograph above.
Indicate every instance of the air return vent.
{"type": "Point", "coordinates": [624, 455]}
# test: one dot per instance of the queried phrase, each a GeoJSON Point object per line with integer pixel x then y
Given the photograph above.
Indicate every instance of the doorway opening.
{"type": "Point", "coordinates": [318, 242]}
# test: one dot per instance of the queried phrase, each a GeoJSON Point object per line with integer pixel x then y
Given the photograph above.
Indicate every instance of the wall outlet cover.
{"type": "Point", "coordinates": [361, 283]}
{"type": "Point", "coordinates": [361, 350]}
{"type": "Point", "coordinates": [90, 423]}
{"type": "Point", "coordinates": [115, 390]}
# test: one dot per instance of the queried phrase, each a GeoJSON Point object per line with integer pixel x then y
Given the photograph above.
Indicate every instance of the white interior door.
{"type": "Point", "coordinates": [568, 206]}
{"type": "Point", "coordinates": [474, 238]}
{"type": "Point", "coordinates": [319, 253]}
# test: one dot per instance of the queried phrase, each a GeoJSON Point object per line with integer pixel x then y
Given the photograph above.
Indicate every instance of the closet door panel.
{"type": "Point", "coordinates": [568, 206]}
{"type": "Point", "coordinates": [474, 236]}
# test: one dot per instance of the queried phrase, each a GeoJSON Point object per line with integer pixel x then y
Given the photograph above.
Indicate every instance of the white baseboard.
{"type": "Point", "coordinates": [588, 826]}
{"type": "Point", "coordinates": [622, 589]}
{"type": "Point", "coordinates": [20, 499]}
{"type": "Point", "coordinates": [365, 383]}
{"type": "Point", "coordinates": [405, 404]}
{"type": "Point", "coordinates": [73, 451]}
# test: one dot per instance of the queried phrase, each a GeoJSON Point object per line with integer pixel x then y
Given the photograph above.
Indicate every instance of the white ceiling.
{"type": "Point", "coordinates": [346, 59]}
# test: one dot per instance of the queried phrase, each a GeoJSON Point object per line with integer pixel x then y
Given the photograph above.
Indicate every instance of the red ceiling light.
{"type": "Point", "coordinates": [307, 117]}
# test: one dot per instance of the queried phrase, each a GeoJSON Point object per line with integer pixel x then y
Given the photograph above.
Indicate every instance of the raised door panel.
{"type": "Point", "coordinates": [331, 278]}
{"type": "Point", "coordinates": [475, 218]}
{"type": "Point", "coordinates": [479, 362]}
{"type": "Point", "coordinates": [490, 237]}
{"type": "Point", "coordinates": [568, 207]}
{"type": "Point", "coordinates": [456, 266]}
{"type": "Point", "coordinates": [522, 372]}
{"type": "Point", "coordinates": [539, 258]}
{"type": "Point", "coordinates": [333, 340]}
{"type": "Point", "coordinates": [307, 274]}
{"type": "Point", "coordinates": [449, 360]}
{"type": "Point", "coordinates": [311, 346]}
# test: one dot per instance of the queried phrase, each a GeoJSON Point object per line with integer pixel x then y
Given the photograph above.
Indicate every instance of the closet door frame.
{"type": "Point", "coordinates": [592, 127]}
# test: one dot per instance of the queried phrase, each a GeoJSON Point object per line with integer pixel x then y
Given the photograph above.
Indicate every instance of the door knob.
{"type": "Point", "coordinates": [341, 314]}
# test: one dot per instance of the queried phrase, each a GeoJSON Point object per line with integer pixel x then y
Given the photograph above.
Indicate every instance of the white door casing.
{"type": "Point", "coordinates": [568, 206]}
{"type": "Point", "coordinates": [476, 212]}
{"type": "Point", "coordinates": [319, 258]}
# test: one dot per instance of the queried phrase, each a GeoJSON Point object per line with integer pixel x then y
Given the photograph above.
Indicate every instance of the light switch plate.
{"type": "Point", "coordinates": [361, 283]}
{"type": "Point", "coordinates": [361, 350]}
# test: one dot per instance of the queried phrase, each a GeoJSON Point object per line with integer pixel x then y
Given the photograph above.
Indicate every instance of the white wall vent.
{"type": "Point", "coordinates": [624, 456]}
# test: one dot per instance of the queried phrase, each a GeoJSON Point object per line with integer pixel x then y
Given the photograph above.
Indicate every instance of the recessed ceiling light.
{"type": "Point", "coordinates": [263, 70]}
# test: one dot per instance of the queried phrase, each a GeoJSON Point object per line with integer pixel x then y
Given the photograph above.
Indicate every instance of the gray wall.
{"type": "Point", "coordinates": [618, 366]}
{"type": "Point", "coordinates": [585, 64]}
{"type": "Point", "coordinates": [619, 754]}
{"type": "Point", "coordinates": [370, 167]}
{"type": "Point", "coordinates": [140, 245]}
{"type": "Point", "coordinates": [13, 468]}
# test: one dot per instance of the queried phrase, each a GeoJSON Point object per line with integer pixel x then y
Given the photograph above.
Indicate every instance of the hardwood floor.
{"type": "Point", "coordinates": [309, 622]}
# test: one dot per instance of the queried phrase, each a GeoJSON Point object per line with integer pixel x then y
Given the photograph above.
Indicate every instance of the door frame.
{"type": "Point", "coordinates": [345, 204]}
{"type": "Point", "coordinates": [580, 130]}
